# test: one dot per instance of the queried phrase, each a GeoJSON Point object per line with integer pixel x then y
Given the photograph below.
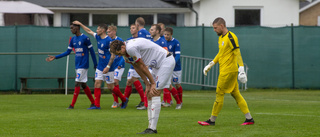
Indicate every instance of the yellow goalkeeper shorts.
{"type": "Point", "coordinates": [227, 82]}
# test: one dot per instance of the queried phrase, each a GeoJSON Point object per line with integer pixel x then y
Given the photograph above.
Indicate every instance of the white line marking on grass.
{"type": "Point", "coordinates": [287, 114]}
{"type": "Point", "coordinates": [283, 100]}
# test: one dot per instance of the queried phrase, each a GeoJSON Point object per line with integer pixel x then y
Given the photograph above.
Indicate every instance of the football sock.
{"type": "Point", "coordinates": [127, 91]}
{"type": "Point", "coordinates": [75, 96]}
{"type": "Point", "coordinates": [145, 100]}
{"type": "Point", "coordinates": [115, 98]}
{"type": "Point", "coordinates": [174, 93]}
{"type": "Point", "coordinates": [213, 118]}
{"type": "Point", "coordinates": [248, 116]}
{"type": "Point", "coordinates": [97, 95]}
{"type": "Point", "coordinates": [89, 95]}
{"type": "Point", "coordinates": [180, 90]}
{"type": "Point", "coordinates": [149, 112]}
{"type": "Point", "coordinates": [155, 111]}
{"type": "Point", "coordinates": [117, 91]}
{"type": "Point", "coordinates": [139, 89]}
{"type": "Point", "coordinates": [166, 94]}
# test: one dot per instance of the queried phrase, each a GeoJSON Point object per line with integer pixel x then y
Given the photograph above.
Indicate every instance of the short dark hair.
{"type": "Point", "coordinates": [75, 25]}
{"type": "Point", "coordinates": [140, 21]}
{"type": "Point", "coordinates": [169, 29]}
{"type": "Point", "coordinates": [219, 21]}
{"type": "Point", "coordinates": [158, 28]}
{"type": "Point", "coordinates": [104, 26]}
{"type": "Point", "coordinates": [115, 46]}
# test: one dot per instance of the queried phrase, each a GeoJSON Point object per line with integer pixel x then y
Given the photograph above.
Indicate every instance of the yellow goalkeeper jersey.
{"type": "Point", "coordinates": [227, 56]}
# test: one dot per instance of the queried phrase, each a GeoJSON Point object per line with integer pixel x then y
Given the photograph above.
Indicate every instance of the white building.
{"type": "Point", "coordinates": [272, 13]}
{"type": "Point", "coordinates": [248, 12]}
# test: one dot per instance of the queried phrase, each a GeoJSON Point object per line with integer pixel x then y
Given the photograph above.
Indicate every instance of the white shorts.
{"type": "Point", "coordinates": [82, 75]}
{"type": "Point", "coordinates": [108, 78]}
{"type": "Point", "coordinates": [118, 73]}
{"type": "Point", "coordinates": [176, 77]}
{"type": "Point", "coordinates": [162, 76]}
{"type": "Point", "coordinates": [132, 73]}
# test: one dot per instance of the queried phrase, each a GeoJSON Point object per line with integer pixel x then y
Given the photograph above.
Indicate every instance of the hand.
{"type": "Point", "coordinates": [105, 70]}
{"type": "Point", "coordinates": [153, 91]}
{"type": "Point", "coordinates": [119, 67]}
{"type": "Point", "coordinates": [242, 77]}
{"type": "Point", "coordinates": [207, 68]}
{"type": "Point", "coordinates": [50, 58]}
{"type": "Point", "coordinates": [76, 22]}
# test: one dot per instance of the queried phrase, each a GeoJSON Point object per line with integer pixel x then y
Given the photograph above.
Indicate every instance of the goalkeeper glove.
{"type": "Point", "coordinates": [207, 68]}
{"type": "Point", "coordinates": [242, 77]}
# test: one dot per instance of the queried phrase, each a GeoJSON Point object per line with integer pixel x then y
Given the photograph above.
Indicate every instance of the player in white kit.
{"type": "Point", "coordinates": [141, 52]}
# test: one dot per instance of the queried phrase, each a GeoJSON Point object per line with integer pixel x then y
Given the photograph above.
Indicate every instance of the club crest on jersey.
{"type": "Point", "coordinates": [222, 43]}
{"type": "Point", "coordinates": [170, 46]}
{"type": "Point", "coordinates": [101, 45]}
{"type": "Point", "coordinates": [79, 42]}
{"type": "Point", "coordinates": [153, 63]}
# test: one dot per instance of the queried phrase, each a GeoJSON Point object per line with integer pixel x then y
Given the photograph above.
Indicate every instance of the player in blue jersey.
{"type": "Point", "coordinates": [143, 33]}
{"type": "Point", "coordinates": [174, 48]}
{"type": "Point", "coordinates": [162, 29]}
{"type": "Point", "coordinates": [156, 38]}
{"type": "Point", "coordinates": [133, 76]}
{"type": "Point", "coordinates": [119, 60]}
{"type": "Point", "coordinates": [82, 45]}
{"type": "Point", "coordinates": [105, 69]}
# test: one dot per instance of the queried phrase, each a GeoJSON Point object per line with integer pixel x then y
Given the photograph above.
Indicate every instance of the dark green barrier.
{"type": "Point", "coordinates": [267, 51]}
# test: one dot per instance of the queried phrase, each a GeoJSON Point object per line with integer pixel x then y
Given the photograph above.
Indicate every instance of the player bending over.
{"type": "Point", "coordinates": [141, 53]}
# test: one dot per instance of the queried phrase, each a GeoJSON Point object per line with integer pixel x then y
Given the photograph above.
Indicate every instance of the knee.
{"type": "Point", "coordinates": [129, 82]}
{"type": "Point", "coordinates": [97, 84]}
{"type": "Point", "coordinates": [110, 86]}
{"type": "Point", "coordinates": [83, 85]}
{"type": "Point", "coordinates": [77, 84]}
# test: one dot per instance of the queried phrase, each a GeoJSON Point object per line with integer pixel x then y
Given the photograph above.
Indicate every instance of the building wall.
{"type": "Point", "coordinates": [309, 17]}
{"type": "Point", "coordinates": [274, 13]}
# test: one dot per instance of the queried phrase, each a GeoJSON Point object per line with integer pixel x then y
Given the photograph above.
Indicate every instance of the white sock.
{"type": "Point", "coordinates": [248, 116]}
{"type": "Point", "coordinates": [155, 111]}
{"type": "Point", "coordinates": [149, 112]}
{"type": "Point", "coordinates": [213, 118]}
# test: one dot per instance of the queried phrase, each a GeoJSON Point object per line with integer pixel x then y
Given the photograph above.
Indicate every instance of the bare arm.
{"type": "Point", "coordinates": [85, 28]}
{"type": "Point", "coordinates": [106, 69]}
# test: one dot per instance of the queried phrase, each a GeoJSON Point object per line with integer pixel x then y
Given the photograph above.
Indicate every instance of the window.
{"type": "Point", "coordinates": [106, 19]}
{"type": "Point", "coordinates": [147, 18]}
{"type": "Point", "coordinates": [82, 17]}
{"type": "Point", "coordinates": [247, 17]}
{"type": "Point", "coordinates": [168, 19]}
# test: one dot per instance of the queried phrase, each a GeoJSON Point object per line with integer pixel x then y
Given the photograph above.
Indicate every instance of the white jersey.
{"type": "Point", "coordinates": [141, 48]}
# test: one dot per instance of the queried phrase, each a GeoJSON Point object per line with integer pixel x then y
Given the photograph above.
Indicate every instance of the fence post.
{"type": "Point", "coordinates": [16, 58]}
{"type": "Point", "coordinates": [203, 62]}
{"type": "Point", "coordinates": [292, 50]}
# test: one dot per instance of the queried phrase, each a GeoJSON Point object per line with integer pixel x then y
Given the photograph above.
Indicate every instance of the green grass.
{"type": "Point", "coordinates": [276, 113]}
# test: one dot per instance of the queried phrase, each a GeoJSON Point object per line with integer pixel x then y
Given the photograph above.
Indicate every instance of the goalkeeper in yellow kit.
{"type": "Point", "coordinates": [229, 57]}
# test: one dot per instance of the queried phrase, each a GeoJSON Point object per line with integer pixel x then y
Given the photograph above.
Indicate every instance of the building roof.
{"type": "Point", "coordinates": [105, 3]}
{"type": "Point", "coordinates": [20, 7]}
{"type": "Point", "coordinates": [307, 4]}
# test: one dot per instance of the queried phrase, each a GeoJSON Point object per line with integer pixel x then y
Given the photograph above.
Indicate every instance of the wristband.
{"type": "Point", "coordinates": [108, 66]}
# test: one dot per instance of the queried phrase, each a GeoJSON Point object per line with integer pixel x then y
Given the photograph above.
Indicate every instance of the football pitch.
{"type": "Point", "coordinates": [277, 112]}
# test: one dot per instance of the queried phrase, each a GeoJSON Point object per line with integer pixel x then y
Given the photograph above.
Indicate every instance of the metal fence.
{"type": "Point", "coordinates": [192, 72]}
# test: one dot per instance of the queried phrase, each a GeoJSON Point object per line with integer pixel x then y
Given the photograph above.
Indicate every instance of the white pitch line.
{"type": "Point", "coordinates": [287, 114]}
